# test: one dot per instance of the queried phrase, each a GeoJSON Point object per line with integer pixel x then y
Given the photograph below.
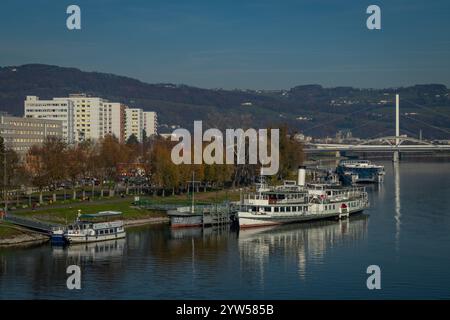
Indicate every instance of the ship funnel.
{"type": "Point", "coordinates": [301, 176]}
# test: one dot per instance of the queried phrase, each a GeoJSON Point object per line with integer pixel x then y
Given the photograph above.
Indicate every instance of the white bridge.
{"type": "Point", "coordinates": [384, 144]}
{"type": "Point", "coordinates": [394, 144]}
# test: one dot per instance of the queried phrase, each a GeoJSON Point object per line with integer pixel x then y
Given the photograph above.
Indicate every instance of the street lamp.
{"type": "Point", "coordinates": [5, 194]}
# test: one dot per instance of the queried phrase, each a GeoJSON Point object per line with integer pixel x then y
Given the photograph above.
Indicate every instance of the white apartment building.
{"type": "Point", "coordinates": [62, 110]}
{"type": "Point", "coordinates": [134, 122]}
{"type": "Point", "coordinates": [114, 119]}
{"type": "Point", "coordinates": [88, 116]}
{"type": "Point", "coordinates": [150, 123]}
{"type": "Point", "coordinates": [96, 117]}
{"type": "Point", "coordinates": [91, 118]}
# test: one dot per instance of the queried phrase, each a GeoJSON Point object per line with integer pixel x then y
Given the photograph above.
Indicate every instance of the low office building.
{"type": "Point", "coordinates": [20, 134]}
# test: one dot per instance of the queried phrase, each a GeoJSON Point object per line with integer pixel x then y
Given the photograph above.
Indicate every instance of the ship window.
{"type": "Point", "coordinates": [267, 209]}
{"type": "Point", "coordinates": [100, 232]}
{"type": "Point", "coordinates": [288, 209]}
{"type": "Point", "coordinates": [282, 209]}
{"type": "Point", "coordinates": [277, 209]}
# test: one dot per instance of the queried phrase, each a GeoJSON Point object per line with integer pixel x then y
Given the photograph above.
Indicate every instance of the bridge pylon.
{"type": "Point", "coordinates": [396, 156]}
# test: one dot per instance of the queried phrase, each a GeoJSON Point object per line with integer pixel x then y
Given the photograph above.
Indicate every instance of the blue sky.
{"type": "Point", "coordinates": [264, 44]}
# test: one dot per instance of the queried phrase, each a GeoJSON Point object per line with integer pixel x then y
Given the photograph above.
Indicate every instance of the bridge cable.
{"type": "Point", "coordinates": [339, 117]}
{"type": "Point", "coordinates": [430, 125]}
{"type": "Point", "coordinates": [427, 108]}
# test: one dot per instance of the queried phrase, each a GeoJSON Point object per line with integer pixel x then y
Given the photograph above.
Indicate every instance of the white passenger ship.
{"type": "Point", "coordinates": [296, 202]}
{"type": "Point", "coordinates": [88, 229]}
{"type": "Point", "coordinates": [360, 171]}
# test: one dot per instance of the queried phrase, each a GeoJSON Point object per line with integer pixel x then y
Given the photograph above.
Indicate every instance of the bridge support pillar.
{"type": "Point", "coordinates": [396, 156]}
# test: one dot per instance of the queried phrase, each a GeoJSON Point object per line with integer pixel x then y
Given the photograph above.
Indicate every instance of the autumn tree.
{"type": "Point", "coordinates": [11, 171]}
{"type": "Point", "coordinates": [47, 164]}
{"type": "Point", "coordinates": [291, 154]}
{"type": "Point", "coordinates": [110, 155]}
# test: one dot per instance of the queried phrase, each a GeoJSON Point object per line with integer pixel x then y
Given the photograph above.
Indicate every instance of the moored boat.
{"type": "Point", "coordinates": [184, 217]}
{"type": "Point", "coordinates": [90, 228]}
{"type": "Point", "coordinates": [359, 171]}
{"type": "Point", "coordinates": [297, 202]}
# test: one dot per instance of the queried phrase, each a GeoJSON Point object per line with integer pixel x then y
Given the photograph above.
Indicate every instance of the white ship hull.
{"type": "Point", "coordinates": [84, 238]}
{"type": "Point", "coordinates": [248, 220]}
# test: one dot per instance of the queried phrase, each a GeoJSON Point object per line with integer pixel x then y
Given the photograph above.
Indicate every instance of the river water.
{"type": "Point", "coordinates": [406, 232]}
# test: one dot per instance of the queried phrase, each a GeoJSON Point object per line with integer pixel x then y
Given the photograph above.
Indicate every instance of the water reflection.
{"type": "Point", "coordinates": [397, 203]}
{"type": "Point", "coordinates": [91, 252]}
{"type": "Point", "coordinates": [300, 242]}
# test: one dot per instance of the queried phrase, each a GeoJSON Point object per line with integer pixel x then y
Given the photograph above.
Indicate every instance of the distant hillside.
{"type": "Point", "coordinates": [311, 109]}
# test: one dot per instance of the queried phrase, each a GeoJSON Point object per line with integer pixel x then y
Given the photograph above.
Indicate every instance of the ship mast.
{"type": "Point", "coordinates": [193, 191]}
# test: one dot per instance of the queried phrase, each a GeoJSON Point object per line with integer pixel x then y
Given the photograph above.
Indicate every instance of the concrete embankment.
{"type": "Point", "coordinates": [24, 239]}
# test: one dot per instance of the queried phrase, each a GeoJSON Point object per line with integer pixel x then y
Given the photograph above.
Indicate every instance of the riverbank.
{"type": "Point", "coordinates": [66, 213]}
{"type": "Point", "coordinates": [11, 235]}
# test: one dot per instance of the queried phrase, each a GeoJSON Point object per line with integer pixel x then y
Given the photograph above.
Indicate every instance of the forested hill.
{"type": "Point", "coordinates": [311, 109]}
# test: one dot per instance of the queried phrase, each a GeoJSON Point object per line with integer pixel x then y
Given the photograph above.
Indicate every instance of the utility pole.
{"type": "Point", "coordinates": [4, 177]}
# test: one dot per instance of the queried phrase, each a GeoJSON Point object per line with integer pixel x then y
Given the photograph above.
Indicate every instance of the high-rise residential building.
{"type": "Point", "coordinates": [20, 134]}
{"type": "Point", "coordinates": [150, 123]}
{"type": "Point", "coordinates": [114, 120]}
{"type": "Point", "coordinates": [95, 117]}
{"type": "Point", "coordinates": [134, 122]}
{"type": "Point", "coordinates": [62, 110]}
{"type": "Point", "coordinates": [90, 118]}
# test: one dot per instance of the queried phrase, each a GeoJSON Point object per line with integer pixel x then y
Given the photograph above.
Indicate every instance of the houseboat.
{"type": "Point", "coordinates": [93, 227]}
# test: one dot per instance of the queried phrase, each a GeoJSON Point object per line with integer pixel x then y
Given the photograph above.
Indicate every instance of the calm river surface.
{"type": "Point", "coordinates": [406, 232]}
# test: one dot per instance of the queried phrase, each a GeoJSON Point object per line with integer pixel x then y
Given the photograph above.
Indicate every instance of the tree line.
{"type": "Point", "coordinates": [111, 163]}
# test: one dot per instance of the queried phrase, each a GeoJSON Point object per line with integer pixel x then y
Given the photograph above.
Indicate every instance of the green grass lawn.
{"type": "Point", "coordinates": [8, 231]}
{"type": "Point", "coordinates": [67, 213]}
